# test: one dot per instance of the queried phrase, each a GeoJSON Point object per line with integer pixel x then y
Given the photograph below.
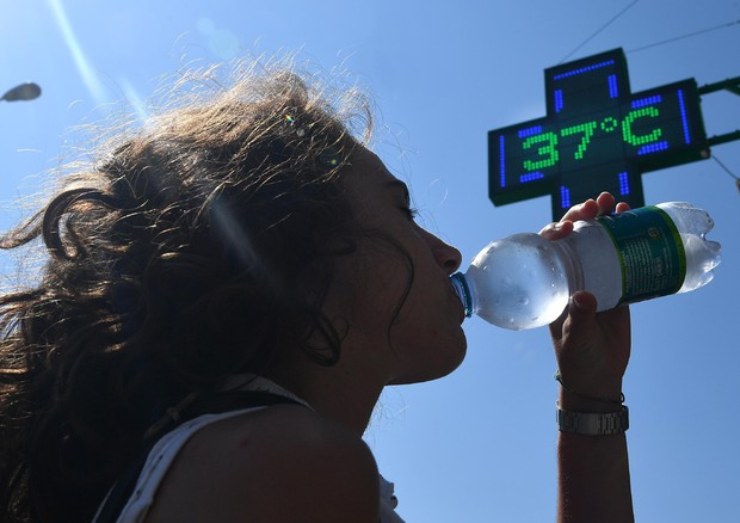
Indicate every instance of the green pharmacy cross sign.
{"type": "Point", "coordinates": [597, 136]}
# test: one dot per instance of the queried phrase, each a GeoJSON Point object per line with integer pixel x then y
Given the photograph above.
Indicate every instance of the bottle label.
{"type": "Point", "coordinates": [650, 252]}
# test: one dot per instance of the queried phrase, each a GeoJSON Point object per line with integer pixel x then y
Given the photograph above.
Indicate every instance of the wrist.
{"type": "Point", "coordinates": [577, 403]}
{"type": "Point", "coordinates": [587, 415]}
{"type": "Point", "coordinates": [605, 398]}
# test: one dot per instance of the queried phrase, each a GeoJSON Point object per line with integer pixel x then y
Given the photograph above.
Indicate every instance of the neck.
{"type": "Point", "coordinates": [333, 392]}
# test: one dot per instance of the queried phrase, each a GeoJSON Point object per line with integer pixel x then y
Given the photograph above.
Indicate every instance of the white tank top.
{"type": "Point", "coordinates": [165, 451]}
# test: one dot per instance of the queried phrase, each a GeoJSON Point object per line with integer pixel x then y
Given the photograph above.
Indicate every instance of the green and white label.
{"type": "Point", "coordinates": [650, 251]}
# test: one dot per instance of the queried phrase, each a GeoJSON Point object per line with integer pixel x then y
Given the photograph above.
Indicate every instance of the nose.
{"type": "Point", "coordinates": [447, 256]}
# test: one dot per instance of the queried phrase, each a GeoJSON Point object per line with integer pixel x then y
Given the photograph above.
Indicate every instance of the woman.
{"type": "Point", "coordinates": [227, 293]}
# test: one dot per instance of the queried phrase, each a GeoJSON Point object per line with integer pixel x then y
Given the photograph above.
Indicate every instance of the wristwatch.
{"type": "Point", "coordinates": [592, 423]}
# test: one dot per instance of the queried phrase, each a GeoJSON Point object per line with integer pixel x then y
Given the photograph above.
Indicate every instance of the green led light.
{"type": "Point", "coordinates": [588, 131]}
{"type": "Point", "coordinates": [548, 154]}
{"type": "Point", "coordinates": [608, 124]}
{"type": "Point", "coordinates": [634, 139]}
{"type": "Point", "coordinates": [549, 151]}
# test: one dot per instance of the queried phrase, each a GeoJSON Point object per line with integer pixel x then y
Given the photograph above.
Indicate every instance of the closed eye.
{"type": "Point", "coordinates": [411, 212]}
{"type": "Point", "coordinates": [405, 203]}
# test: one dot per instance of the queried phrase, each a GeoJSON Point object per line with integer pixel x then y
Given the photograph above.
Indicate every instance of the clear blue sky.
{"type": "Point", "coordinates": [479, 445]}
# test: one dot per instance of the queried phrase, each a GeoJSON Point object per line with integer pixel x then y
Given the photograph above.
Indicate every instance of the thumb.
{"type": "Point", "coordinates": [578, 327]}
{"type": "Point", "coordinates": [582, 307]}
{"type": "Point", "coordinates": [581, 310]}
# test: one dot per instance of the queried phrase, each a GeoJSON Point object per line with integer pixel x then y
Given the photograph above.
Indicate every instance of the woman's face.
{"type": "Point", "coordinates": [394, 291]}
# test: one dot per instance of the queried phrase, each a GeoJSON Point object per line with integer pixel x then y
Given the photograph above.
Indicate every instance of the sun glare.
{"type": "Point", "coordinates": [87, 73]}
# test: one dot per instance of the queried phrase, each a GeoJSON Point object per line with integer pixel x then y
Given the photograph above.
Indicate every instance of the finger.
{"type": "Point", "coordinates": [582, 306]}
{"type": "Point", "coordinates": [581, 309]}
{"type": "Point", "coordinates": [622, 207]}
{"type": "Point", "coordinates": [557, 230]}
{"type": "Point", "coordinates": [606, 203]}
{"type": "Point", "coordinates": [584, 211]}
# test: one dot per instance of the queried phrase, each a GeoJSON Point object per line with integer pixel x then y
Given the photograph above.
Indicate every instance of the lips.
{"type": "Point", "coordinates": [456, 300]}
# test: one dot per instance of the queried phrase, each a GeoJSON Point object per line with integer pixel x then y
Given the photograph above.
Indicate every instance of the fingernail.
{"type": "Point", "coordinates": [577, 300]}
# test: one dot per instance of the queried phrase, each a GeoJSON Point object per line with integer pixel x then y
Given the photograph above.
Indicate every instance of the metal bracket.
{"type": "Point", "coordinates": [732, 85]}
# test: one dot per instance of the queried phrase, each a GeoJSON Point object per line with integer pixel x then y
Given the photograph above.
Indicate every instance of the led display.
{"type": "Point", "coordinates": [597, 136]}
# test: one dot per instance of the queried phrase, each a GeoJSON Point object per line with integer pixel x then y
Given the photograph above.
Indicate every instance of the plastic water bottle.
{"type": "Point", "coordinates": [525, 281]}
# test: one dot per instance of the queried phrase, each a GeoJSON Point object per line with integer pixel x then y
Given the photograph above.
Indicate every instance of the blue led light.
{"type": "Point", "coordinates": [529, 131]}
{"type": "Point", "coordinates": [613, 88]}
{"type": "Point", "coordinates": [653, 148]}
{"type": "Point", "coordinates": [624, 184]}
{"type": "Point", "coordinates": [564, 197]}
{"type": "Point", "coordinates": [650, 100]}
{"type": "Point", "coordinates": [558, 100]}
{"type": "Point", "coordinates": [502, 160]}
{"type": "Point", "coordinates": [530, 177]}
{"type": "Point", "coordinates": [582, 70]}
{"type": "Point", "coordinates": [684, 121]}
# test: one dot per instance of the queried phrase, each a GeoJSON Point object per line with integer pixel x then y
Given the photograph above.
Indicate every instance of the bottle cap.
{"type": "Point", "coordinates": [463, 292]}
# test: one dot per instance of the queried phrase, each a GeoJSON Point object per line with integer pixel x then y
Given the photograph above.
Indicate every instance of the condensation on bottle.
{"type": "Point", "coordinates": [524, 281]}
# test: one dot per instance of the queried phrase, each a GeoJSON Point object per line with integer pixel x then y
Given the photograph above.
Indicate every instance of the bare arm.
{"type": "Point", "coordinates": [593, 471]}
{"type": "Point", "coordinates": [592, 351]}
{"type": "Point", "coordinates": [594, 483]}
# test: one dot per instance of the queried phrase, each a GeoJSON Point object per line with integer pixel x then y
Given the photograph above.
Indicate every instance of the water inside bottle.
{"type": "Point", "coordinates": [520, 284]}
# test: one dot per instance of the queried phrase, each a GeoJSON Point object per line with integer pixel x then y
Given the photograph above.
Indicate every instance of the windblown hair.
{"type": "Point", "coordinates": [194, 248]}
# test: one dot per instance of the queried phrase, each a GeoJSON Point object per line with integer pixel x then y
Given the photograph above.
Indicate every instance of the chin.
{"type": "Point", "coordinates": [441, 368]}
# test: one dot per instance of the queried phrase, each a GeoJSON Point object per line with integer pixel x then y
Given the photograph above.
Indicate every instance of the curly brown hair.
{"type": "Point", "coordinates": [196, 248]}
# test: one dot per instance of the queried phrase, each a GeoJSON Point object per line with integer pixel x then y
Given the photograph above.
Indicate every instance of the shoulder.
{"type": "Point", "coordinates": [283, 463]}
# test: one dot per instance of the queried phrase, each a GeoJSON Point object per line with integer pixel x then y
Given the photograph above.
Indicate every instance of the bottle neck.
{"type": "Point", "coordinates": [573, 268]}
{"type": "Point", "coordinates": [464, 292]}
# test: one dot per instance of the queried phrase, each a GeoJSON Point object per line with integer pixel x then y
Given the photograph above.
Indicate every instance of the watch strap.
{"type": "Point", "coordinates": [593, 423]}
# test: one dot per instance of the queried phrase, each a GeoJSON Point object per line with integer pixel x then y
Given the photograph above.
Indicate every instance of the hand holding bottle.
{"type": "Point", "coordinates": [592, 348]}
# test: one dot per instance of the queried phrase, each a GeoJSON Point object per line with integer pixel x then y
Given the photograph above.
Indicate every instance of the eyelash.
{"type": "Point", "coordinates": [411, 212]}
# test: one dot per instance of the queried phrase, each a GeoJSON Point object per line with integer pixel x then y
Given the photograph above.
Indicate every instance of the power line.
{"type": "Point", "coordinates": [600, 29]}
{"type": "Point", "coordinates": [687, 35]}
{"type": "Point", "coordinates": [737, 179]}
{"type": "Point", "coordinates": [725, 168]}
{"type": "Point", "coordinates": [649, 46]}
